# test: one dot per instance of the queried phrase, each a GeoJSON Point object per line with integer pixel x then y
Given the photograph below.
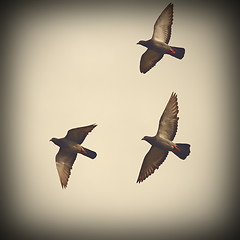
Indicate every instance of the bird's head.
{"type": "Point", "coordinates": [144, 138]}
{"type": "Point", "coordinates": [144, 43]}
{"type": "Point", "coordinates": [141, 42]}
{"type": "Point", "coordinates": [54, 140]}
{"type": "Point", "coordinates": [148, 139]}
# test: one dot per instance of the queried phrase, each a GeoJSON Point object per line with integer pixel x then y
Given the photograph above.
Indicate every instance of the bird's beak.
{"type": "Point", "coordinates": [142, 138]}
{"type": "Point", "coordinates": [50, 140]}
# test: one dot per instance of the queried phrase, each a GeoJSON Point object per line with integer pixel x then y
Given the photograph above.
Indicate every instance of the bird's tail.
{"type": "Point", "coordinates": [88, 153]}
{"type": "Point", "coordinates": [182, 150]}
{"type": "Point", "coordinates": [177, 52]}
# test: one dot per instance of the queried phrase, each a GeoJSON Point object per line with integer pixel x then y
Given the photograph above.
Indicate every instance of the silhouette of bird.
{"type": "Point", "coordinates": [70, 146]}
{"type": "Point", "coordinates": [162, 142]}
{"type": "Point", "coordinates": [157, 46]}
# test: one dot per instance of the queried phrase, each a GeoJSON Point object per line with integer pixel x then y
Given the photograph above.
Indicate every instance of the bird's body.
{"type": "Point", "coordinates": [159, 142]}
{"type": "Point", "coordinates": [162, 143]}
{"type": "Point", "coordinates": [67, 144]}
{"type": "Point", "coordinates": [70, 146]}
{"type": "Point", "coordinates": [157, 46]}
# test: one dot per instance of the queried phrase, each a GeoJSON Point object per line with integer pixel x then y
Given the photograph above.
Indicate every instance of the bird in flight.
{"type": "Point", "coordinates": [162, 142]}
{"type": "Point", "coordinates": [157, 46]}
{"type": "Point", "coordinates": [70, 146]}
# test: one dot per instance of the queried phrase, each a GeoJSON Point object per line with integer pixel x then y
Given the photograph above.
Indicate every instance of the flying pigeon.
{"type": "Point", "coordinates": [157, 46]}
{"type": "Point", "coordinates": [162, 141]}
{"type": "Point", "coordinates": [70, 146]}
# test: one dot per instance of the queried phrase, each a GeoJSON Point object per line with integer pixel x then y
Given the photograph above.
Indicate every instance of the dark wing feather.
{"type": "Point", "coordinates": [162, 27]}
{"type": "Point", "coordinates": [149, 60]}
{"type": "Point", "coordinates": [64, 163]}
{"type": "Point", "coordinates": [79, 134]}
{"type": "Point", "coordinates": [168, 123]}
{"type": "Point", "coordinates": [153, 159]}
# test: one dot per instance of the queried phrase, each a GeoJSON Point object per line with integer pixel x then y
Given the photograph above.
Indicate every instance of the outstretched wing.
{"type": "Point", "coordinates": [149, 60]}
{"type": "Point", "coordinates": [162, 27]}
{"type": "Point", "coordinates": [64, 163]}
{"type": "Point", "coordinates": [168, 123]}
{"type": "Point", "coordinates": [79, 134]}
{"type": "Point", "coordinates": [153, 159]}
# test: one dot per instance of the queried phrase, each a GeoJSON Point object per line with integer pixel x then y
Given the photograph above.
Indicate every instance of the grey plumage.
{"type": "Point", "coordinates": [70, 146]}
{"type": "Point", "coordinates": [162, 143]}
{"type": "Point", "coordinates": [157, 46]}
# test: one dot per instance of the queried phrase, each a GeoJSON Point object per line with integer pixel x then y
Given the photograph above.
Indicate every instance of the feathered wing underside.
{"type": "Point", "coordinates": [168, 123]}
{"type": "Point", "coordinates": [153, 159]}
{"type": "Point", "coordinates": [162, 27]}
{"type": "Point", "coordinates": [79, 134]}
{"type": "Point", "coordinates": [149, 60]}
{"type": "Point", "coordinates": [64, 163]}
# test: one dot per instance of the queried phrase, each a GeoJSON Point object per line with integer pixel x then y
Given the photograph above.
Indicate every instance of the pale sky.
{"type": "Point", "coordinates": [72, 67]}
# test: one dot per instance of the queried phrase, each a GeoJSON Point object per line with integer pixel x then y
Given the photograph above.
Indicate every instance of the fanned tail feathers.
{"type": "Point", "coordinates": [184, 150]}
{"type": "Point", "coordinates": [177, 52]}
